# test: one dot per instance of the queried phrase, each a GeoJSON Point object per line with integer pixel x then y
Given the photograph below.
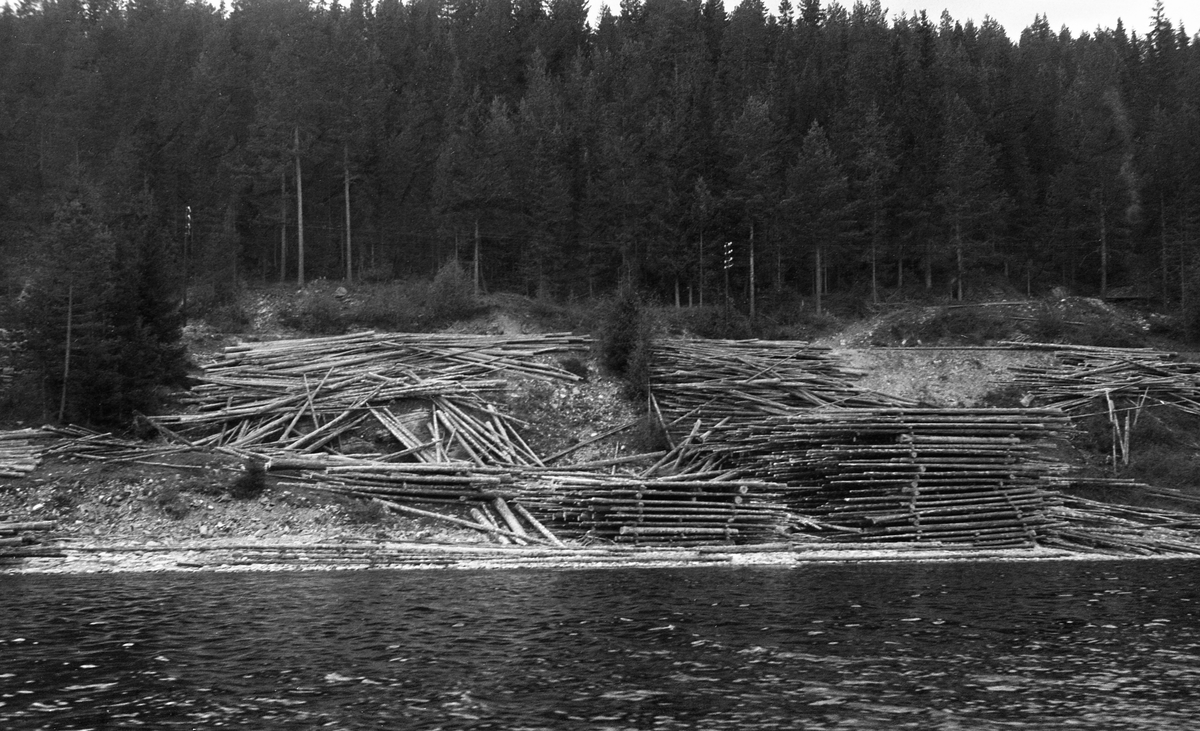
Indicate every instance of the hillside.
{"type": "Point", "coordinates": [938, 356]}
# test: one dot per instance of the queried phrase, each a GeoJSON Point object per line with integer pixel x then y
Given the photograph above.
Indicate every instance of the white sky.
{"type": "Point", "coordinates": [1078, 15]}
{"type": "Point", "coordinates": [1016, 15]}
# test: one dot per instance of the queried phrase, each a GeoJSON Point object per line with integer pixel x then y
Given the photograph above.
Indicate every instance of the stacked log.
{"type": "Point", "coordinates": [951, 475]}
{"type": "Point", "coordinates": [1095, 527]}
{"type": "Point", "coordinates": [647, 512]}
{"type": "Point", "coordinates": [21, 539]}
{"type": "Point", "coordinates": [20, 451]}
{"type": "Point", "coordinates": [743, 380]}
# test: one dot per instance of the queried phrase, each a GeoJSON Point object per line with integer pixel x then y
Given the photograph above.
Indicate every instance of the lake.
{"type": "Point", "coordinates": [973, 645]}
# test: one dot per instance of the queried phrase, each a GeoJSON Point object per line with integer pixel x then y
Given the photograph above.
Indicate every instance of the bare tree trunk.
{"type": "Point", "coordinates": [1103, 255]}
{"type": "Point", "coordinates": [817, 266]}
{"type": "Point", "coordinates": [1162, 225]}
{"type": "Point", "coordinates": [751, 271]}
{"type": "Point", "coordinates": [283, 227]}
{"type": "Point", "coordinates": [958, 253]}
{"type": "Point", "coordinates": [62, 403]}
{"type": "Point", "coordinates": [875, 258]}
{"type": "Point", "coordinates": [299, 214]}
{"type": "Point", "coordinates": [928, 267]}
{"type": "Point", "coordinates": [1183, 265]}
{"type": "Point", "coordinates": [700, 274]}
{"type": "Point", "coordinates": [475, 264]}
{"type": "Point", "coordinates": [346, 182]}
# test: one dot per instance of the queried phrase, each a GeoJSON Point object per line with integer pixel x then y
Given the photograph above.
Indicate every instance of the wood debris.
{"type": "Point", "coordinates": [423, 394]}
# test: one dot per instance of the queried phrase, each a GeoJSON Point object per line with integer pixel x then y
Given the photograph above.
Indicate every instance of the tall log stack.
{"type": "Point", "coordinates": [907, 474]}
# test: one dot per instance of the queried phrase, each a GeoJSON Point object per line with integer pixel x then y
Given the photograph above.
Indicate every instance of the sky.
{"type": "Point", "coordinates": [1016, 15]}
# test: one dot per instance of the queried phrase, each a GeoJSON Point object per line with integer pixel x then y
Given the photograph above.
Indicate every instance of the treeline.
{"type": "Point", "coordinates": [808, 151]}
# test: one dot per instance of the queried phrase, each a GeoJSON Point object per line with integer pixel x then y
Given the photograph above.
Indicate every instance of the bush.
{"type": "Point", "coordinates": [649, 435]}
{"type": "Point", "coordinates": [251, 483]}
{"type": "Point", "coordinates": [574, 365]}
{"type": "Point", "coordinates": [364, 512]}
{"type": "Point", "coordinates": [451, 295]}
{"type": "Point", "coordinates": [970, 325]}
{"type": "Point", "coordinates": [171, 501]}
{"type": "Point", "coordinates": [712, 321]}
{"type": "Point", "coordinates": [316, 312]}
{"type": "Point", "coordinates": [624, 342]}
{"type": "Point", "coordinates": [395, 306]}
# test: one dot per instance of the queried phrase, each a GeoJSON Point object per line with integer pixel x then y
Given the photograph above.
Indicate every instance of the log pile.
{"type": "Point", "coordinates": [24, 538]}
{"type": "Point", "coordinates": [1091, 379]}
{"type": "Point", "coordinates": [21, 451]}
{"type": "Point", "coordinates": [646, 512]}
{"type": "Point", "coordinates": [744, 380]}
{"type": "Point", "coordinates": [423, 394]}
{"type": "Point", "coordinates": [482, 492]}
{"type": "Point", "coordinates": [1096, 527]}
{"type": "Point", "coordinates": [912, 474]}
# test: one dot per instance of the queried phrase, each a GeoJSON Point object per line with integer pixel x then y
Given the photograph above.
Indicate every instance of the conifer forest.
{"type": "Point", "coordinates": [833, 149]}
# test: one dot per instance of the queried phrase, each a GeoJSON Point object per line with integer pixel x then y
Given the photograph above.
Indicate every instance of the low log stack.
{"type": "Point", "coordinates": [20, 451]}
{"type": "Point", "coordinates": [646, 512]}
{"type": "Point", "coordinates": [21, 538]}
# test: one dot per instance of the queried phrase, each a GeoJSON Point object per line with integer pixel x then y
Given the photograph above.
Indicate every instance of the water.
{"type": "Point", "coordinates": [1103, 645]}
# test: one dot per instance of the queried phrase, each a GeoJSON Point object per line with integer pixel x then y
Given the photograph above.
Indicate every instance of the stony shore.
{"type": "Point", "coordinates": [231, 555]}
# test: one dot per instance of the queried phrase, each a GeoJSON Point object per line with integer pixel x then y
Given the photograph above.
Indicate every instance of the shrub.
{"type": "Point", "coordinates": [574, 365]}
{"type": "Point", "coordinates": [451, 295]}
{"type": "Point", "coordinates": [649, 435]}
{"type": "Point", "coordinates": [713, 321]}
{"type": "Point", "coordinates": [624, 341]}
{"type": "Point", "coordinates": [364, 512]}
{"type": "Point", "coordinates": [316, 312]}
{"type": "Point", "coordinates": [251, 483]}
{"type": "Point", "coordinates": [171, 501]}
{"type": "Point", "coordinates": [395, 306]}
{"type": "Point", "coordinates": [972, 325]}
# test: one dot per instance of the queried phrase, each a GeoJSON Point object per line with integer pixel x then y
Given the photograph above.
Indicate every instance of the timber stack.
{"type": "Point", "coordinates": [21, 451]}
{"type": "Point", "coordinates": [20, 539]}
{"type": "Point", "coordinates": [645, 511]}
{"type": "Point", "coordinates": [908, 474]}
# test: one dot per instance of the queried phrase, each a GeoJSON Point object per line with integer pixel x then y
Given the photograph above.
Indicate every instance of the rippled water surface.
{"type": "Point", "coordinates": [1105, 645]}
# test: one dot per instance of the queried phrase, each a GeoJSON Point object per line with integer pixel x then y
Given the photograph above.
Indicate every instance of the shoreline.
{"type": "Point", "coordinates": [301, 556]}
